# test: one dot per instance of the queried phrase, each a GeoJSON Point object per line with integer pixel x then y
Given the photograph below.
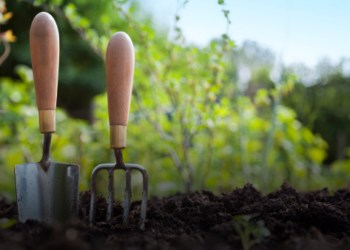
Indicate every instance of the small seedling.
{"type": "Point", "coordinates": [250, 232]}
{"type": "Point", "coordinates": [6, 223]}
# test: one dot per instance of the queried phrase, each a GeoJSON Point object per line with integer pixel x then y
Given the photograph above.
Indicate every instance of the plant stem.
{"type": "Point", "coordinates": [269, 144]}
{"type": "Point", "coordinates": [243, 145]}
{"type": "Point", "coordinates": [6, 53]}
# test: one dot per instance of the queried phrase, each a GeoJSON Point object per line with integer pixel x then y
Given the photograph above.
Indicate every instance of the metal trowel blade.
{"type": "Point", "coordinates": [50, 196]}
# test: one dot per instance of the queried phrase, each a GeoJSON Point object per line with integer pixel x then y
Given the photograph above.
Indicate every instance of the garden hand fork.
{"type": "Point", "coordinates": [46, 190]}
{"type": "Point", "coordinates": [120, 60]}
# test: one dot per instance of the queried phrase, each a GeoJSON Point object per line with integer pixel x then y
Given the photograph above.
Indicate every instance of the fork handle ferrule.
{"type": "Point", "coordinates": [118, 136]}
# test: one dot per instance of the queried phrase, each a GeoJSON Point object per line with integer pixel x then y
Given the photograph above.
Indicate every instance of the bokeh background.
{"type": "Point", "coordinates": [225, 92]}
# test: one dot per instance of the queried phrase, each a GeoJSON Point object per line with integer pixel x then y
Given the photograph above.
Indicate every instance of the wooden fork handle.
{"type": "Point", "coordinates": [120, 60]}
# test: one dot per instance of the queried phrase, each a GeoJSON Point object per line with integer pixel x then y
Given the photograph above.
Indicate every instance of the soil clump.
{"type": "Point", "coordinates": [200, 220]}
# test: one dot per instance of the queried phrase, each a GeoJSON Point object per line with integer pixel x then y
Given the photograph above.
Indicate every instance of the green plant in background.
{"type": "Point", "coordinates": [281, 87]}
{"type": "Point", "coordinates": [189, 125]}
{"type": "Point", "coordinates": [249, 231]}
{"type": "Point", "coordinates": [324, 107]}
{"type": "Point", "coordinates": [6, 37]}
{"type": "Point", "coordinates": [176, 88]}
{"type": "Point", "coordinates": [20, 139]}
{"type": "Point", "coordinates": [6, 223]}
{"type": "Point", "coordinates": [183, 93]}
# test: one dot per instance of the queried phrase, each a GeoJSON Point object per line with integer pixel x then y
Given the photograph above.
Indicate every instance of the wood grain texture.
{"type": "Point", "coordinates": [120, 60]}
{"type": "Point", "coordinates": [44, 51]}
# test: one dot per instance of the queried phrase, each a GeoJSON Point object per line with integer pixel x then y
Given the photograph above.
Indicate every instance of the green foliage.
{"type": "Point", "coordinates": [189, 123]}
{"type": "Point", "coordinates": [20, 140]}
{"type": "Point", "coordinates": [226, 13]}
{"type": "Point", "coordinates": [81, 69]}
{"type": "Point", "coordinates": [324, 107]}
{"type": "Point", "coordinates": [340, 171]}
{"type": "Point", "coordinates": [6, 223]}
{"type": "Point", "coordinates": [250, 232]}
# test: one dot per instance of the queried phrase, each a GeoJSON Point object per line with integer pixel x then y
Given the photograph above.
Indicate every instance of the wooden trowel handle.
{"type": "Point", "coordinates": [44, 51]}
{"type": "Point", "coordinates": [120, 60]}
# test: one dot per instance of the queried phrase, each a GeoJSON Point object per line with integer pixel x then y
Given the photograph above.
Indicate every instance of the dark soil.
{"type": "Point", "coordinates": [201, 220]}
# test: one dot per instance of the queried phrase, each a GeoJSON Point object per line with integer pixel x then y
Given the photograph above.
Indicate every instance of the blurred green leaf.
{"type": "Point", "coordinates": [6, 223]}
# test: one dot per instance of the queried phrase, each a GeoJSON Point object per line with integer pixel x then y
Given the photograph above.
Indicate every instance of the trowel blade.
{"type": "Point", "coordinates": [50, 196]}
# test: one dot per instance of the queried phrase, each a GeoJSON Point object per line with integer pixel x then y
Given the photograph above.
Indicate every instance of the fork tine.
{"type": "Point", "coordinates": [127, 196]}
{"type": "Point", "coordinates": [144, 191]}
{"type": "Point", "coordinates": [110, 194]}
{"type": "Point", "coordinates": [127, 168]}
{"type": "Point", "coordinates": [94, 190]}
{"type": "Point", "coordinates": [144, 198]}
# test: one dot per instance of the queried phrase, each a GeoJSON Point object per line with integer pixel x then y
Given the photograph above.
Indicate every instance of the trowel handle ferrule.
{"type": "Point", "coordinates": [120, 60]}
{"type": "Point", "coordinates": [44, 51]}
{"type": "Point", "coordinates": [47, 121]}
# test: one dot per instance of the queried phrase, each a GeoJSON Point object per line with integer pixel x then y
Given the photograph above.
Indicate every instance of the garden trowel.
{"type": "Point", "coordinates": [46, 191]}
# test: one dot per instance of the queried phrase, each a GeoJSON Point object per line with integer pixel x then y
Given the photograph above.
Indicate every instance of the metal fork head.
{"type": "Point", "coordinates": [127, 168]}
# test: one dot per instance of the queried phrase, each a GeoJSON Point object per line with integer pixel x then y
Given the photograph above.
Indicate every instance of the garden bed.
{"type": "Point", "coordinates": [201, 220]}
